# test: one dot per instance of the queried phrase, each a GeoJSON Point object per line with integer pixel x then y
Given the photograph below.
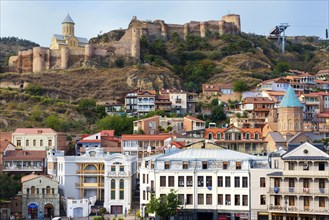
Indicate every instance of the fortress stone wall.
{"type": "Point", "coordinates": [40, 58]}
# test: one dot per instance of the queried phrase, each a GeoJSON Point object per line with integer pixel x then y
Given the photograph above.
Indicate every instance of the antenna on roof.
{"type": "Point", "coordinates": [276, 34]}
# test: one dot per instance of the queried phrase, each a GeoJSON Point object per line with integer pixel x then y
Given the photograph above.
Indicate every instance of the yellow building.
{"type": "Point", "coordinates": [67, 38]}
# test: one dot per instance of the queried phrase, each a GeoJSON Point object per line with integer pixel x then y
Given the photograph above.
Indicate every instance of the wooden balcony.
{"type": "Point", "coordinates": [89, 185]}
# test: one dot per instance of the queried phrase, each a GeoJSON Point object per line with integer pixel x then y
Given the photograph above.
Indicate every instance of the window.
{"type": "Point", "coordinates": [276, 182]}
{"type": "Point", "coordinates": [305, 166]}
{"type": "Point", "coordinates": [27, 143]}
{"type": "Point", "coordinates": [185, 165]}
{"type": "Point", "coordinates": [322, 202]}
{"type": "Point", "coordinates": [112, 189]}
{"type": "Point", "coordinates": [144, 195]}
{"type": "Point", "coordinates": [200, 199]}
{"type": "Point", "coordinates": [34, 143]}
{"type": "Point", "coordinates": [244, 200]}
{"type": "Point", "coordinates": [209, 181]}
{"type": "Point", "coordinates": [218, 136]}
{"type": "Point", "coordinates": [209, 199]}
{"type": "Point", "coordinates": [171, 181]}
{"type": "Point", "coordinates": [291, 201]}
{"type": "Point", "coordinates": [220, 181]}
{"type": "Point", "coordinates": [322, 184]}
{"type": "Point", "coordinates": [291, 183]}
{"type": "Point", "coordinates": [50, 143]}
{"type": "Point", "coordinates": [238, 165]}
{"type": "Point", "coordinates": [291, 166]}
{"type": "Point", "coordinates": [162, 181]}
{"type": "Point", "coordinates": [321, 166]}
{"type": "Point", "coordinates": [181, 199]}
{"type": "Point", "coordinates": [200, 181]}
{"type": "Point", "coordinates": [277, 200]}
{"type": "Point", "coordinates": [247, 136]}
{"type": "Point", "coordinates": [189, 199]}
{"type": "Point", "coordinates": [276, 164]}
{"type": "Point", "coordinates": [143, 178]}
{"type": "Point", "coordinates": [27, 191]}
{"type": "Point", "coordinates": [181, 181]}
{"type": "Point", "coordinates": [48, 190]}
{"type": "Point", "coordinates": [41, 143]}
{"type": "Point", "coordinates": [244, 182]}
{"type": "Point", "coordinates": [237, 200]}
{"type": "Point", "coordinates": [227, 181]}
{"type": "Point", "coordinates": [33, 190]}
{"type": "Point", "coordinates": [220, 199]}
{"type": "Point", "coordinates": [262, 199]}
{"type": "Point", "coordinates": [225, 165]}
{"type": "Point", "coordinates": [306, 202]}
{"type": "Point", "coordinates": [227, 199]}
{"type": "Point", "coordinates": [256, 136]}
{"type": "Point", "coordinates": [147, 178]}
{"type": "Point", "coordinates": [122, 189]}
{"type": "Point", "coordinates": [262, 182]}
{"type": "Point", "coordinates": [122, 169]}
{"type": "Point", "coordinates": [113, 170]}
{"type": "Point", "coordinates": [204, 165]}
{"type": "Point", "coordinates": [167, 165]}
{"type": "Point", "coordinates": [189, 182]}
{"type": "Point", "coordinates": [237, 182]}
{"type": "Point", "coordinates": [18, 143]}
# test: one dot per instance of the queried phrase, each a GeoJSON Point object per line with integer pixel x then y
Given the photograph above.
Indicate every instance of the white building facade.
{"type": "Point", "coordinates": [210, 183]}
{"type": "Point", "coordinates": [108, 177]}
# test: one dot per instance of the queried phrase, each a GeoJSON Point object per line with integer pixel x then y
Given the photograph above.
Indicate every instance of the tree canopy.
{"type": "Point", "coordinates": [9, 186]}
{"type": "Point", "coordinates": [163, 206]}
{"type": "Point", "coordinates": [240, 86]}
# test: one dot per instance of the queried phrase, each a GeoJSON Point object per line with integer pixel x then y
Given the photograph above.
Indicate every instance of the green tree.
{"type": "Point", "coordinates": [54, 122]}
{"type": "Point", "coordinates": [240, 86]}
{"type": "Point", "coordinates": [281, 67]}
{"type": "Point", "coordinates": [214, 102]}
{"type": "Point", "coordinates": [9, 187]}
{"type": "Point", "coordinates": [164, 206]}
{"type": "Point", "coordinates": [120, 123]}
{"type": "Point", "coordinates": [218, 113]}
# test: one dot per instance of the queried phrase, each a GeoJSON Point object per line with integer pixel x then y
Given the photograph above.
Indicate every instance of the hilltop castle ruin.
{"type": "Point", "coordinates": [67, 50]}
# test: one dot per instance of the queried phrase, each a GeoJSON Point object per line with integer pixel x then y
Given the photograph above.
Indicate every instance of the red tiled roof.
{"type": "Point", "coordinates": [90, 141]}
{"type": "Point", "coordinates": [178, 144]}
{"type": "Point", "coordinates": [210, 87]}
{"type": "Point", "coordinates": [243, 130]}
{"type": "Point", "coordinates": [5, 136]}
{"type": "Point", "coordinates": [322, 115]}
{"type": "Point", "coordinates": [111, 139]}
{"type": "Point", "coordinates": [34, 130]}
{"type": "Point", "coordinates": [29, 177]}
{"type": "Point", "coordinates": [323, 71]}
{"type": "Point", "coordinates": [25, 155]}
{"type": "Point", "coordinates": [107, 133]}
{"type": "Point", "coordinates": [150, 118]}
{"type": "Point", "coordinates": [258, 100]}
{"type": "Point", "coordinates": [146, 137]}
{"type": "Point", "coordinates": [3, 145]}
{"type": "Point", "coordinates": [316, 94]}
{"type": "Point", "coordinates": [193, 119]}
{"type": "Point", "coordinates": [321, 82]}
{"type": "Point", "coordinates": [150, 92]}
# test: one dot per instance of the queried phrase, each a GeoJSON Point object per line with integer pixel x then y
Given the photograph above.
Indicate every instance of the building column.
{"type": "Point", "coordinates": [269, 216]}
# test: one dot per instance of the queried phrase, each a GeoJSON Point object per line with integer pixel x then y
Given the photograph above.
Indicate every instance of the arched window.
{"type": "Point", "coordinates": [27, 143]}
{"type": "Point", "coordinates": [48, 190]}
{"type": "Point", "coordinates": [247, 136]}
{"type": "Point", "coordinates": [256, 136]}
{"type": "Point", "coordinates": [210, 136]}
{"type": "Point", "coordinates": [289, 124]}
{"type": "Point", "coordinates": [33, 190]}
{"type": "Point", "coordinates": [113, 189]}
{"type": "Point", "coordinates": [122, 189]}
{"type": "Point", "coordinates": [296, 125]}
{"type": "Point", "coordinates": [218, 136]}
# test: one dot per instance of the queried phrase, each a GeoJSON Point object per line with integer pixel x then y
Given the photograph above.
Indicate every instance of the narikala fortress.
{"type": "Point", "coordinates": [68, 51]}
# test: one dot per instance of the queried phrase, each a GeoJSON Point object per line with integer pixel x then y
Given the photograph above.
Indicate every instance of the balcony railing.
{"type": "Point", "coordinates": [89, 185]}
{"type": "Point", "coordinates": [90, 172]}
{"type": "Point", "coordinates": [18, 168]}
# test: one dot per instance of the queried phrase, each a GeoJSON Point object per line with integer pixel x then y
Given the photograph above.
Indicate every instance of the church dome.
{"type": "Point", "coordinates": [68, 19]}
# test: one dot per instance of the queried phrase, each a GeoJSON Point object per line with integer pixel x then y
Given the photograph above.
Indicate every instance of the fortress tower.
{"type": "Point", "coordinates": [290, 120]}
{"type": "Point", "coordinates": [68, 26]}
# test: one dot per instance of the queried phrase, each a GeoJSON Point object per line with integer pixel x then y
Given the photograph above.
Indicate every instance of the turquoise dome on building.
{"type": "Point", "coordinates": [290, 100]}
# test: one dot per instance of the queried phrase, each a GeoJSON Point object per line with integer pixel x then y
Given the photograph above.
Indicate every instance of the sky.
{"type": "Point", "coordinates": [38, 20]}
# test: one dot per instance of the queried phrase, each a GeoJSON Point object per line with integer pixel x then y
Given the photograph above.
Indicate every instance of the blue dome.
{"type": "Point", "coordinates": [290, 99]}
{"type": "Point", "coordinates": [68, 19]}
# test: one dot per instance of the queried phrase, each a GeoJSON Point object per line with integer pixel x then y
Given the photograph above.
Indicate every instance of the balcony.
{"type": "Point", "coordinates": [306, 173]}
{"type": "Point", "coordinates": [23, 168]}
{"type": "Point", "coordinates": [89, 185]}
{"type": "Point", "coordinates": [178, 101]}
{"type": "Point", "coordinates": [93, 172]}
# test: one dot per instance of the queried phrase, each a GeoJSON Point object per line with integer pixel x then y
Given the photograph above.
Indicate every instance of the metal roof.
{"type": "Point", "coordinates": [277, 137]}
{"type": "Point", "coordinates": [59, 37]}
{"type": "Point", "coordinates": [290, 99]}
{"type": "Point", "coordinates": [210, 154]}
{"type": "Point", "coordinates": [68, 19]}
{"type": "Point", "coordinates": [275, 174]}
{"type": "Point", "coordinates": [82, 40]}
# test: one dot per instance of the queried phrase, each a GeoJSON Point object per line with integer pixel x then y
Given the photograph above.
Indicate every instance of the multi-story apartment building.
{"type": "Point", "coordinates": [40, 199]}
{"type": "Point", "coordinates": [24, 161]}
{"type": "Point", "coordinates": [108, 177]}
{"type": "Point", "coordinates": [104, 139]}
{"type": "Point", "coordinates": [300, 189]}
{"type": "Point", "coordinates": [258, 107]}
{"type": "Point", "coordinates": [145, 101]}
{"type": "Point", "coordinates": [278, 84]}
{"type": "Point", "coordinates": [193, 124]}
{"type": "Point", "coordinates": [178, 102]}
{"type": "Point", "coordinates": [323, 75]}
{"type": "Point", "coordinates": [246, 140]}
{"type": "Point", "coordinates": [162, 102]}
{"type": "Point", "coordinates": [144, 145]}
{"type": "Point", "coordinates": [314, 103]}
{"type": "Point", "coordinates": [38, 139]}
{"type": "Point", "coordinates": [147, 125]}
{"type": "Point", "coordinates": [303, 82]}
{"type": "Point", "coordinates": [131, 102]}
{"type": "Point", "coordinates": [210, 183]}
